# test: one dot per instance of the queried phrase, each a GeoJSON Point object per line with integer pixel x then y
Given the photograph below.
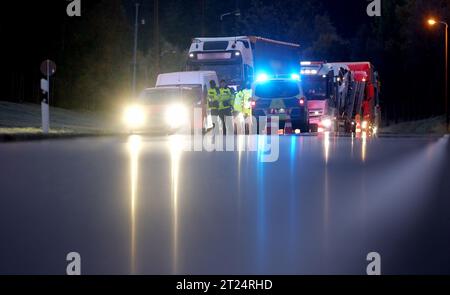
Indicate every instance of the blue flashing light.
{"type": "Point", "coordinates": [262, 77]}
{"type": "Point", "coordinates": [295, 77]}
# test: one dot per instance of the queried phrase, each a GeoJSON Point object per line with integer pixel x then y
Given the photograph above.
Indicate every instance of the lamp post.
{"type": "Point", "coordinates": [136, 27]}
{"type": "Point", "coordinates": [156, 35]}
{"type": "Point", "coordinates": [222, 16]}
{"type": "Point", "coordinates": [433, 22]}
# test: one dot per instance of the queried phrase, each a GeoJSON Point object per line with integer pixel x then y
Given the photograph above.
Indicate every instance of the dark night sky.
{"type": "Point", "coordinates": [347, 15]}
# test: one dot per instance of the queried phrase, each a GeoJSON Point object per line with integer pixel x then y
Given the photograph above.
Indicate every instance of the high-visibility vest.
{"type": "Point", "coordinates": [242, 102]}
{"type": "Point", "coordinates": [238, 102]}
{"type": "Point", "coordinates": [213, 98]}
{"type": "Point", "coordinates": [225, 98]}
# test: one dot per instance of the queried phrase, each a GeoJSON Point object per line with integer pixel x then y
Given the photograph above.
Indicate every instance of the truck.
{"type": "Point", "coordinates": [239, 60]}
{"type": "Point", "coordinates": [326, 87]}
{"type": "Point", "coordinates": [360, 108]}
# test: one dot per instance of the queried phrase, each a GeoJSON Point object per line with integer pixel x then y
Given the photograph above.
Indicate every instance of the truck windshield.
{"type": "Point", "coordinates": [167, 95]}
{"type": "Point", "coordinates": [315, 87]}
{"type": "Point", "coordinates": [232, 73]}
{"type": "Point", "coordinates": [277, 89]}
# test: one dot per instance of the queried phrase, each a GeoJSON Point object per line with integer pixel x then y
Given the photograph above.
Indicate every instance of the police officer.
{"type": "Point", "coordinates": [226, 102]}
{"type": "Point", "coordinates": [242, 100]}
{"type": "Point", "coordinates": [242, 103]}
{"type": "Point", "coordinates": [213, 98]}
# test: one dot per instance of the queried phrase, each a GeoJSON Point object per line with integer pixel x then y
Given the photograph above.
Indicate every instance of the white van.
{"type": "Point", "coordinates": [199, 80]}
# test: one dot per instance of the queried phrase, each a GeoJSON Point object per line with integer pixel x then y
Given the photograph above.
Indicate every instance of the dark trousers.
{"type": "Point", "coordinates": [214, 112]}
{"type": "Point", "coordinates": [223, 113]}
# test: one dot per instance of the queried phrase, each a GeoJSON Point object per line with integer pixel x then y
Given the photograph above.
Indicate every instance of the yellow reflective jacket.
{"type": "Point", "coordinates": [213, 98]}
{"type": "Point", "coordinates": [242, 102]}
{"type": "Point", "coordinates": [225, 98]}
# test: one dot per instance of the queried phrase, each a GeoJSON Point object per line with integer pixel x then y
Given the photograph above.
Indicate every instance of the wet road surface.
{"type": "Point", "coordinates": [143, 205]}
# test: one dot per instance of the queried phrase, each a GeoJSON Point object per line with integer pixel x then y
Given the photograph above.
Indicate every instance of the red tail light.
{"type": "Point", "coordinates": [301, 101]}
{"type": "Point", "coordinates": [252, 103]}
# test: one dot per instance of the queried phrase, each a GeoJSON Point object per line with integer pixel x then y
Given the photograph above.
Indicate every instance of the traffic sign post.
{"type": "Point", "coordinates": [45, 112]}
{"type": "Point", "coordinates": [48, 68]}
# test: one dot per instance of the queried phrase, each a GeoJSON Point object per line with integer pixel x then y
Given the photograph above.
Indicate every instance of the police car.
{"type": "Point", "coordinates": [281, 97]}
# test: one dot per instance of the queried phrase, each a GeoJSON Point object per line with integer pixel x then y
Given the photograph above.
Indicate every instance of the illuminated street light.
{"type": "Point", "coordinates": [432, 22]}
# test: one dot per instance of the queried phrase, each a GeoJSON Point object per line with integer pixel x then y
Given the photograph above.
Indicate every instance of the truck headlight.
{"type": "Point", "coordinates": [326, 123]}
{"type": "Point", "coordinates": [176, 115]}
{"type": "Point", "coordinates": [134, 116]}
{"type": "Point", "coordinates": [364, 124]}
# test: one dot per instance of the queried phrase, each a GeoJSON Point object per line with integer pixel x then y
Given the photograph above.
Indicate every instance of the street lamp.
{"type": "Point", "coordinates": [433, 22]}
{"type": "Point", "coordinates": [136, 28]}
{"type": "Point", "coordinates": [235, 13]}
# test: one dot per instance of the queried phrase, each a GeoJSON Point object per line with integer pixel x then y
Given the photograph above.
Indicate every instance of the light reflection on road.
{"type": "Point", "coordinates": [363, 146]}
{"type": "Point", "coordinates": [134, 148]}
{"type": "Point", "coordinates": [326, 146]}
{"type": "Point", "coordinates": [175, 145]}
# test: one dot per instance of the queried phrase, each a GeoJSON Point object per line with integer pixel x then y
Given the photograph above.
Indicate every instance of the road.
{"type": "Point", "coordinates": [142, 205]}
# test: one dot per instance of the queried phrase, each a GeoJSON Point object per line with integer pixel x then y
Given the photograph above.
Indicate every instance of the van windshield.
{"type": "Point", "coordinates": [277, 89]}
{"type": "Point", "coordinates": [167, 95]}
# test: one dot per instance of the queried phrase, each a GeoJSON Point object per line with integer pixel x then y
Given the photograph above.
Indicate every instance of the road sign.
{"type": "Point", "coordinates": [48, 67]}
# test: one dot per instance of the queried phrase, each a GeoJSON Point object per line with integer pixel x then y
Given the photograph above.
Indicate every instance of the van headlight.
{"type": "Point", "coordinates": [134, 116]}
{"type": "Point", "coordinates": [177, 115]}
